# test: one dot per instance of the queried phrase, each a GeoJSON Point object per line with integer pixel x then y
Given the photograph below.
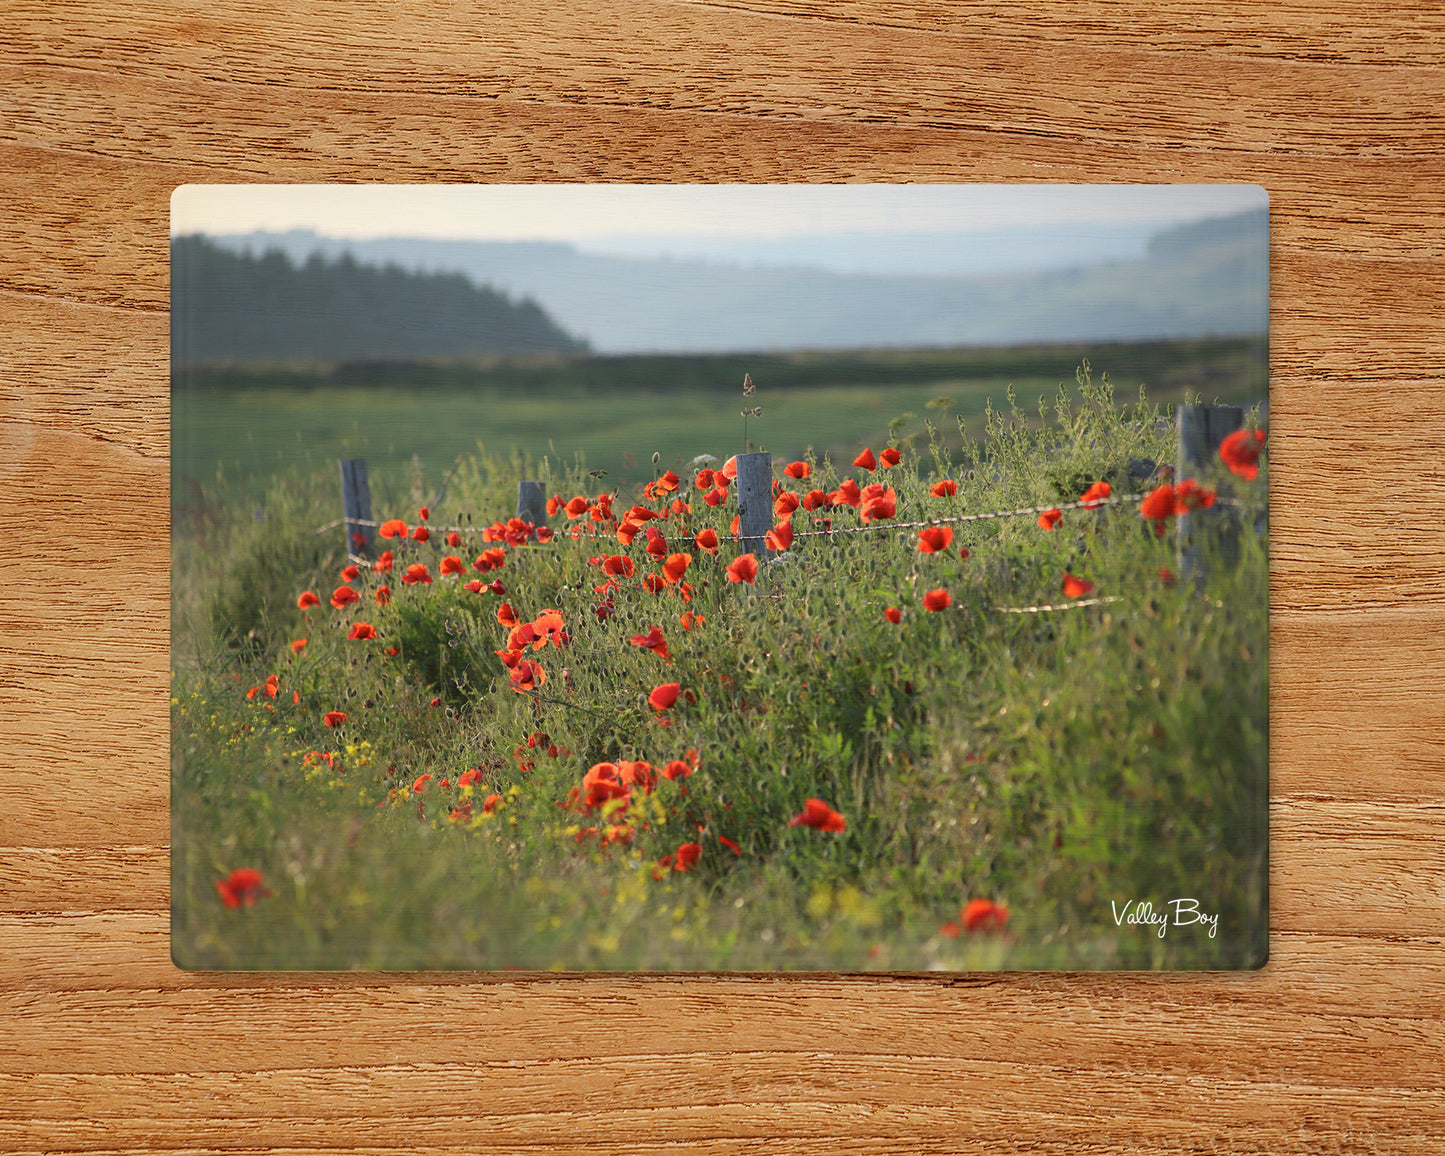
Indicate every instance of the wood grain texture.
{"type": "Point", "coordinates": [1334, 1047]}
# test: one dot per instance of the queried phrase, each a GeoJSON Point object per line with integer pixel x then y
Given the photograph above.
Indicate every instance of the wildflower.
{"type": "Point", "coordinates": [1050, 519]}
{"type": "Point", "coordinates": [468, 777]}
{"type": "Point", "coordinates": [307, 600]}
{"type": "Point", "coordinates": [893, 614]}
{"type": "Point", "coordinates": [877, 502]}
{"type": "Point", "coordinates": [384, 564]}
{"type": "Point", "coordinates": [937, 599]}
{"type": "Point", "coordinates": [1190, 495]}
{"type": "Point", "coordinates": [242, 886]}
{"type": "Point", "coordinates": [703, 481]}
{"type": "Point", "coordinates": [780, 537]}
{"type": "Point", "coordinates": [690, 619]}
{"type": "Point", "coordinates": [786, 503]}
{"type": "Point", "coordinates": [1077, 587]}
{"type": "Point", "coordinates": [523, 635]}
{"type": "Point", "coordinates": [1095, 495]}
{"type": "Point", "coordinates": [890, 457]}
{"type": "Point", "coordinates": [273, 684]}
{"type": "Point", "coordinates": [656, 542]}
{"type": "Point", "coordinates": [618, 564]}
{"type": "Point", "coordinates": [421, 534]}
{"type": "Point", "coordinates": [950, 929]}
{"type": "Point", "coordinates": [686, 856]}
{"type": "Point", "coordinates": [707, 540]}
{"type": "Point", "coordinates": [394, 528]}
{"type": "Point", "coordinates": [652, 640]}
{"type": "Point", "coordinates": [605, 609]}
{"type": "Point", "coordinates": [361, 632]}
{"type": "Point", "coordinates": [344, 596]}
{"type": "Point", "coordinates": [944, 489]}
{"type": "Point", "coordinates": [423, 513]}
{"type": "Point", "coordinates": [847, 493]}
{"type": "Point", "coordinates": [554, 503]}
{"type": "Point", "coordinates": [715, 497]}
{"type": "Point", "coordinates": [819, 815]}
{"type": "Point", "coordinates": [743, 569]}
{"type": "Point", "coordinates": [799, 470]}
{"type": "Point", "coordinates": [298, 645]}
{"type": "Point", "coordinates": [420, 784]}
{"type": "Point", "coordinates": [527, 675]}
{"type": "Point", "coordinates": [637, 775]}
{"type": "Point", "coordinates": [1240, 452]}
{"type": "Point", "coordinates": [334, 718]}
{"type": "Point", "coordinates": [491, 803]}
{"type": "Point", "coordinates": [662, 697]}
{"type": "Point", "coordinates": [1158, 505]}
{"type": "Point", "coordinates": [729, 468]}
{"type": "Point", "coordinates": [677, 769]}
{"type": "Point", "coordinates": [543, 533]}
{"type": "Point", "coordinates": [506, 615]}
{"type": "Point", "coordinates": [814, 499]}
{"type": "Point", "coordinates": [601, 784]}
{"type": "Point", "coordinates": [655, 583]}
{"type": "Point", "coordinates": [866, 461]}
{"type": "Point", "coordinates": [984, 915]}
{"type": "Point", "coordinates": [451, 564]}
{"type": "Point", "coordinates": [383, 595]}
{"type": "Point", "coordinates": [417, 572]}
{"type": "Point", "coordinates": [350, 573]}
{"type": "Point", "coordinates": [932, 539]}
{"type": "Point", "coordinates": [730, 845]}
{"type": "Point", "coordinates": [550, 628]}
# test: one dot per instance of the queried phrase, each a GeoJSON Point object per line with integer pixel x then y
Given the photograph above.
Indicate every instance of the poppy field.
{"type": "Point", "coordinates": [955, 710]}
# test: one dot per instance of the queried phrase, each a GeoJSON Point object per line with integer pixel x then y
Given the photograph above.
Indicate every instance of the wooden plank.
{"type": "Point", "coordinates": [1333, 108]}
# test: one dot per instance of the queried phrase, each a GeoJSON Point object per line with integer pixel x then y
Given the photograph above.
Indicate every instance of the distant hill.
{"type": "Point", "coordinates": [1207, 278]}
{"type": "Point", "coordinates": [239, 306]}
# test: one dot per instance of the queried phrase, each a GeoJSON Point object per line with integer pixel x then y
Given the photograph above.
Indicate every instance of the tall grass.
{"type": "Point", "coordinates": [1064, 762]}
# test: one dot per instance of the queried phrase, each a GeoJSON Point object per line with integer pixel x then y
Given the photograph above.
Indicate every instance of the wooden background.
{"type": "Point", "coordinates": [1336, 1047]}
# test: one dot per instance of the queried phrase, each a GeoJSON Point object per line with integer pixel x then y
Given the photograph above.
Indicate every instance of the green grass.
{"type": "Point", "coordinates": [1059, 762]}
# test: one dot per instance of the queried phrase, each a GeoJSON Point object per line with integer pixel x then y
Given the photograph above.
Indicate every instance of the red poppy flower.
{"type": "Point", "coordinates": [383, 595]}
{"type": "Point", "coordinates": [601, 784]}
{"type": "Point", "coordinates": [1050, 519]}
{"type": "Point", "coordinates": [689, 620]}
{"type": "Point", "coordinates": [890, 457]}
{"type": "Point", "coordinates": [333, 718]}
{"type": "Point", "coordinates": [527, 675]}
{"type": "Point", "coordinates": [550, 627]}
{"type": "Point", "coordinates": [937, 599]}
{"type": "Point", "coordinates": [242, 887]}
{"type": "Point", "coordinates": [733, 525]}
{"type": "Point", "coordinates": [944, 489]}
{"type": "Point", "coordinates": [454, 539]}
{"type": "Point", "coordinates": [298, 645]}
{"type": "Point", "coordinates": [743, 569]}
{"type": "Point", "coordinates": [703, 481]}
{"type": "Point", "coordinates": [780, 537]}
{"type": "Point", "coordinates": [554, 503]}
{"type": "Point", "coordinates": [893, 614]}
{"type": "Point", "coordinates": [1240, 452]}
{"type": "Point", "coordinates": [652, 640]}
{"type": "Point", "coordinates": [605, 609]}
{"type": "Point", "coordinates": [350, 573]}
{"type": "Point", "coordinates": [676, 566]}
{"type": "Point", "coordinates": [1077, 587]}
{"type": "Point", "coordinates": [468, 777]}
{"type": "Point", "coordinates": [273, 684]}
{"type": "Point", "coordinates": [715, 497]}
{"type": "Point", "coordinates": [798, 470]}
{"type": "Point", "coordinates": [819, 815]}
{"type": "Point", "coordinates": [618, 564]}
{"type": "Point", "coordinates": [866, 461]}
{"type": "Point", "coordinates": [707, 540]}
{"type": "Point", "coordinates": [656, 543]}
{"type": "Point", "coordinates": [424, 513]}
{"type": "Point", "coordinates": [506, 615]}
{"type": "Point", "coordinates": [667, 483]}
{"type": "Point", "coordinates": [1159, 504]}
{"type": "Point", "coordinates": [932, 539]}
{"type": "Point", "coordinates": [394, 528]}
{"type": "Point", "coordinates": [543, 533]}
{"type": "Point", "coordinates": [639, 775]}
{"type": "Point", "coordinates": [384, 564]}
{"type": "Point", "coordinates": [1095, 495]}
{"type": "Point", "coordinates": [730, 468]}
{"type": "Point", "coordinates": [662, 697]}
{"type": "Point", "coordinates": [677, 769]}
{"type": "Point", "coordinates": [883, 503]}
{"type": "Point", "coordinates": [417, 572]}
{"type": "Point", "coordinates": [686, 856]}
{"type": "Point", "coordinates": [421, 534]}
{"type": "Point", "coordinates": [730, 845]}
{"type": "Point", "coordinates": [786, 503]}
{"type": "Point", "coordinates": [1190, 495]}
{"type": "Point", "coordinates": [654, 583]}
{"type": "Point", "coordinates": [362, 632]}
{"type": "Point", "coordinates": [521, 636]}
{"type": "Point", "coordinates": [491, 803]}
{"type": "Point", "coordinates": [344, 596]}
{"type": "Point", "coordinates": [451, 564]}
{"type": "Point", "coordinates": [307, 600]}
{"type": "Point", "coordinates": [577, 506]}
{"type": "Point", "coordinates": [984, 915]}
{"type": "Point", "coordinates": [814, 499]}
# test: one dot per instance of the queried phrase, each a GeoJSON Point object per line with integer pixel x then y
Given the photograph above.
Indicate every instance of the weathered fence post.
{"type": "Point", "coordinates": [1201, 429]}
{"type": "Point", "coordinates": [356, 505]}
{"type": "Point", "coordinates": [532, 503]}
{"type": "Point", "coordinates": [755, 500]}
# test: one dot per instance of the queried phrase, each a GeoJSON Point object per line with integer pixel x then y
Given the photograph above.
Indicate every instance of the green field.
{"type": "Point", "coordinates": [853, 762]}
{"type": "Point", "coordinates": [242, 426]}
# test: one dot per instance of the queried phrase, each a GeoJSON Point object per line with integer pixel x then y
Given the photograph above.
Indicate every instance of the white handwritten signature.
{"type": "Point", "coordinates": [1186, 912]}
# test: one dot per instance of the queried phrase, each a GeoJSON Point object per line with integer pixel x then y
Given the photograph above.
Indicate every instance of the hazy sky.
{"type": "Point", "coordinates": [585, 213]}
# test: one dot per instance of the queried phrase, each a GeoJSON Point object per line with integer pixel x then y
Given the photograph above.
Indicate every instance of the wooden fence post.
{"type": "Point", "coordinates": [755, 500]}
{"type": "Point", "coordinates": [356, 505]}
{"type": "Point", "coordinates": [1201, 429]}
{"type": "Point", "coordinates": [532, 503]}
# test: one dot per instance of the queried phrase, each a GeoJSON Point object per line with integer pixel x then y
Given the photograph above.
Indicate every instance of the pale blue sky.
{"type": "Point", "coordinates": [591, 213]}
